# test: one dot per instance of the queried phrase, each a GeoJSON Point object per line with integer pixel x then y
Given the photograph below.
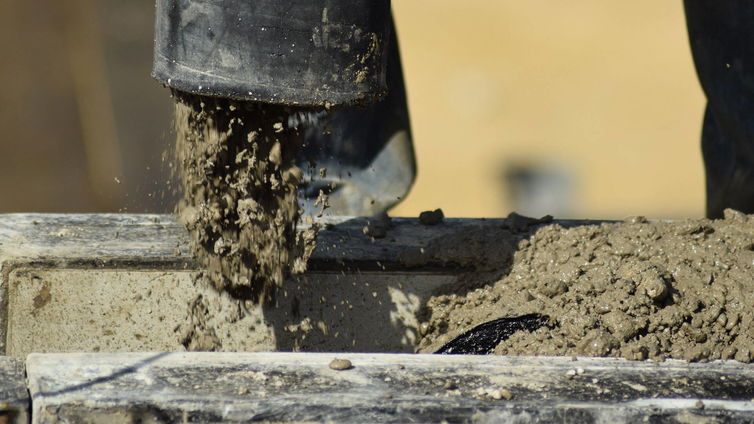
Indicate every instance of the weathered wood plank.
{"type": "Point", "coordinates": [284, 387]}
{"type": "Point", "coordinates": [342, 244]}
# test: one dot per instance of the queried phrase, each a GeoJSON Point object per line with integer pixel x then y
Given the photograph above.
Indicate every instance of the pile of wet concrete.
{"type": "Point", "coordinates": [633, 289]}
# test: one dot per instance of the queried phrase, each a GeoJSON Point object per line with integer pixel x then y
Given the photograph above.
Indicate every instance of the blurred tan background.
{"type": "Point", "coordinates": [585, 108]}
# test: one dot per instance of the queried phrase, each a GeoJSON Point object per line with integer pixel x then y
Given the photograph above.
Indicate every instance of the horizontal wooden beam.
{"type": "Point", "coordinates": [285, 387]}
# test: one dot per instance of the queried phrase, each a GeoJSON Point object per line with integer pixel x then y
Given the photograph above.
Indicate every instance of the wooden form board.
{"type": "Point", "coordinates": [14, 397]}
{"type": "Point", "coordinates": [286, 387]}
{"type": "Point", "coordinates": [115, 283]}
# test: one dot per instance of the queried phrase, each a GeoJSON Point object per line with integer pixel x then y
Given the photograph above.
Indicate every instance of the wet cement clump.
{"type": "Point", "coordinates": [634, 289]}
{"type": "Point", "coordinates": [236, 163]}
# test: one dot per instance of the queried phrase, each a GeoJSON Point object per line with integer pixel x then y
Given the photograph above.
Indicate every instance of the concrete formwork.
{"type": "Point", "coordinates": [117, 283]}
{"type": "Point", "coordinates": [95, 288]}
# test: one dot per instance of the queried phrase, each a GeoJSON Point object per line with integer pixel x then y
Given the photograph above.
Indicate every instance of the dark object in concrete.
{"type": "Point", "coordinates": [283, 387]}
{"type": "Point", "coordinates": [482, 339]}
{"type": "Point", "coordinates": [14, 398]}
{"type": "Point", "coordinates": [298, 52]}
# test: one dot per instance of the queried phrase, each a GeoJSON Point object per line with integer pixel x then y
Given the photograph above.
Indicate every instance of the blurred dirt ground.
{"type": "Point", "coordinates": [585, 108]}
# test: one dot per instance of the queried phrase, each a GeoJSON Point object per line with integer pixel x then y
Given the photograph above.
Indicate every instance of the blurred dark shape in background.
{"type": "Point", "coordinates": [83, 127]}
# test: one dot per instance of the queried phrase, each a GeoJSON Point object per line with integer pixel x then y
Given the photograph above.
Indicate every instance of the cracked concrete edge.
{"type": "Point", "coordinates": [290, 387]}
{"type": "Point", "coordinates": [14, 396]}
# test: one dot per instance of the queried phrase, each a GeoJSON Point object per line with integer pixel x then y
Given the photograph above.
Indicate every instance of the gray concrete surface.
{"type": "Point", "coordinates": [286, 387]}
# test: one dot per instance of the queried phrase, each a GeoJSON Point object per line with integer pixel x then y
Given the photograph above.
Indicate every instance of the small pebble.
{"type": "Point", "coordinates": [341, 364]}
{"type": "Point", "coordinates": [431, 217]}
{"type": "Point", "coordinates": [699, 404]}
